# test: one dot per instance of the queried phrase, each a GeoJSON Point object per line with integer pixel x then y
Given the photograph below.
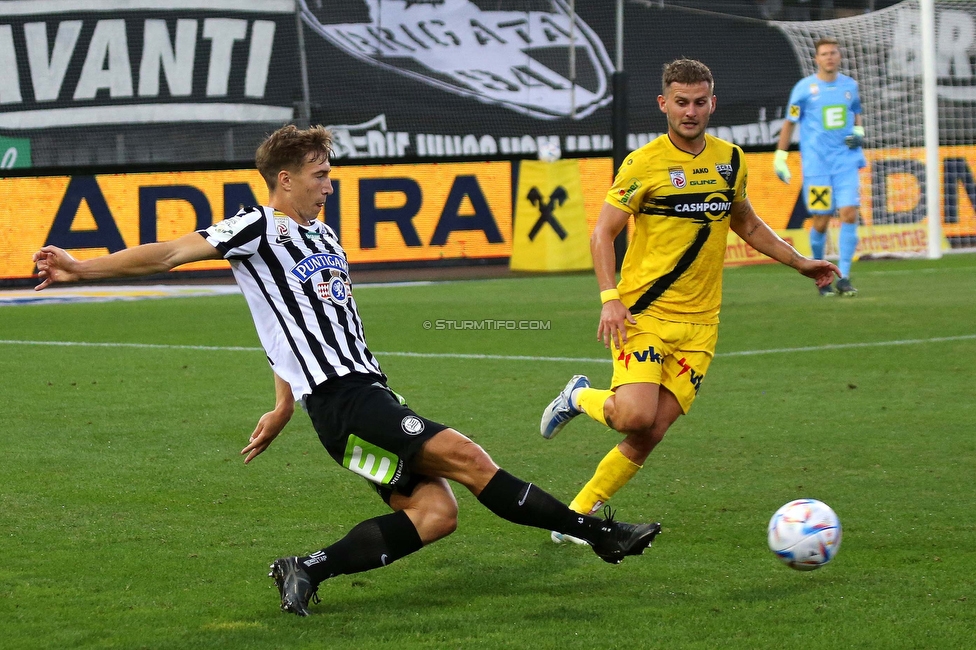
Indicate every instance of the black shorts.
{"type": "Point", "coordinates": [366, 429]}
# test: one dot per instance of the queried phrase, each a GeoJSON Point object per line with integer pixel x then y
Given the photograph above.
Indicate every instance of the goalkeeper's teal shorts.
{"type": "Point", "coordinates": [826, 194]}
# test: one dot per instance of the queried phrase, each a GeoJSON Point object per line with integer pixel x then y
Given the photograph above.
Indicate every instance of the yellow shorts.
{"type": "Point", "coordinates": [673, 355]}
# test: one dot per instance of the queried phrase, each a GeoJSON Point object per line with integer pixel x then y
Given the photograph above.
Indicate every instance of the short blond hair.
{"type": "Point", "coordinates": [289, 148]}
{"type": "Point", "coordinates": [826, 40]}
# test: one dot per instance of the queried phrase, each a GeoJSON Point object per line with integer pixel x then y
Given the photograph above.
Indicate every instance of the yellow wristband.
{"type": "Point", "coordinates": [608, 295]}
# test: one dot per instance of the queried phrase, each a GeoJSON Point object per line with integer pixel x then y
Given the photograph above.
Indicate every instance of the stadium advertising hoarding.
{"type": "Point", "coordinates": [423, 212]}
{"type": "Point", "coordinates": [893, 200]}
{"type": "Point", "coordinates": [384, 214]}
{"type": "Point", "coordinates": [455, 212]}
{"type": "Point", "coordinates": [892, 189]}
{"type": "Point", "coordinates": [14, 153]}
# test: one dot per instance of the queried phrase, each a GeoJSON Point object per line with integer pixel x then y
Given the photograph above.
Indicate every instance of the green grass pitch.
{"type": "Point", "coordinates": [128, 520]}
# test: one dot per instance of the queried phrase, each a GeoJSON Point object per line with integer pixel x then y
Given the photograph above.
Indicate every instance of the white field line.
{"type": "Point", "coordinates": [498, 357]}
{"type": "Point", "coordinates": [62, 294]}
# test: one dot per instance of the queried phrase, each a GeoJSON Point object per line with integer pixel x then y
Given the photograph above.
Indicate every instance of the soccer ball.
{"type": "Point", "coordinates": [550, 152]}
{"type": "Point", "coordinates": [805, 534]}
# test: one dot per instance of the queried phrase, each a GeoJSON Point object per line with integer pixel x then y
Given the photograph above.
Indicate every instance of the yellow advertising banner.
{"type": "Point", "coordinates": [739, 253]}
{"type": "Point", "coordinates": [382, 213]}
{"type": "Point", "coordinates": [94, 215]}
{"type": "Point", "coordinates": [596, 175]}
{"type": "Point", "coordinates": [897, 180]}
{"type": "Point", "coordinates": [873, 242]}
{"type": "Point", "coordinates": [433, 211]}
{"type": "Point", "coordinates": [894, 240]}
{"type": "Point", "coordinates": [551, 230]}
{"type": "Point", "coordinates": [891, 189]}
{"type": "Point", "coordinates": [448, 211]}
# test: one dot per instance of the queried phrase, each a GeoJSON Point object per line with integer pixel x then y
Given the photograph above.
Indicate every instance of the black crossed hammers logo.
{"type": "Point", "coordinates": [557, 198]}
{"type": "Point", "coordinates": [823, 198]}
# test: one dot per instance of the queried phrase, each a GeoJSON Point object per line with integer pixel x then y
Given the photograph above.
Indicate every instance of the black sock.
{"type": "Point", "coordinates": [369, 545]}
{"type": "Point", "coordinates": [526, 504]}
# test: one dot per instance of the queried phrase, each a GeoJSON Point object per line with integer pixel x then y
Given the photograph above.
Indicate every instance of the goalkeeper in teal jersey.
{"type": "Point", "coordinates": [827, 107]}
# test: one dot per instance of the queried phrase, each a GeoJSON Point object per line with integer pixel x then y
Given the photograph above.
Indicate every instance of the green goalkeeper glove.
{"type": "Point", "coordinates": [855, 140]}
{"type": "Point", "coordinates": [779, 164]}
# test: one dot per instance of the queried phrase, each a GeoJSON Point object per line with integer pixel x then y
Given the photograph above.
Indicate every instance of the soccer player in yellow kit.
{"type": "Point", "coordinates": [684, 189]}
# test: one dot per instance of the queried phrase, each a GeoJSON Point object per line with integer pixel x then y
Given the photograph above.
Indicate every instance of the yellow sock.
{"type": "Point", "coordinates": [591, 401]}
{"type": "Point", "coordinates": [612, 473]}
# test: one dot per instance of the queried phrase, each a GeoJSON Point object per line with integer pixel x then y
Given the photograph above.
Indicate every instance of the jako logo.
{"type": "Point", "coordinates": [497, 57]}
{"type": "Point", "coordinates": [641, 356]}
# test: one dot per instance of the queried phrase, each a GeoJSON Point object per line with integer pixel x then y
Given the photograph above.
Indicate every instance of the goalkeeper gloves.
{"type": "Point", "coordinates": [855, 140]}
{"type": "Point", "coordinates": [779, 164]}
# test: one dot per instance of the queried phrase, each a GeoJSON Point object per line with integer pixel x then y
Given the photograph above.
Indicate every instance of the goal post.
{"type": "Point", "coordinates": [913, 62]}
{"type": "Point", "coordinates": [930, 112]}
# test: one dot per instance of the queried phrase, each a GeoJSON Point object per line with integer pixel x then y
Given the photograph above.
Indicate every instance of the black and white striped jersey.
{"type": "Point", "coordinates": [296, 282]}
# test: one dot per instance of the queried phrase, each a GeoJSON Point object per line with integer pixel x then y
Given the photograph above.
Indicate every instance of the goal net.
{"type": "Point", "coordinates": [882, 50]}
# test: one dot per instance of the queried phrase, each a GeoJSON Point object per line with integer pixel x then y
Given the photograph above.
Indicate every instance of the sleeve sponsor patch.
{"type": "Point", "coordinates": [224, 230]}
{"type": "Point", "coordinates": [625, 195]}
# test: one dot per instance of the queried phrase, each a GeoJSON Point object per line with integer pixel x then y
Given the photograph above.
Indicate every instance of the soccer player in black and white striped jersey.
{"type": "Point", "coordinates": [295, 278]}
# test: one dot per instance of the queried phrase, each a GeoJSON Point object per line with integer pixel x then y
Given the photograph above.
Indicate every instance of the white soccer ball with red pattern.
{"type": "Point", "coordinates": [805, 534]}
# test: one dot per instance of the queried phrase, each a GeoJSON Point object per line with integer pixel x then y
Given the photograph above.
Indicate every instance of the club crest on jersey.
{"type": "Point", "coordinates": [677, 177]}
{"type": "Point", "coordinates": [724, 170]}
{"type": "Point", "coordinates": [412, 425]}
{"type": "Point", "coordinates": [335, 290]}
{"type": "Point", "coordinates": [318, 263]}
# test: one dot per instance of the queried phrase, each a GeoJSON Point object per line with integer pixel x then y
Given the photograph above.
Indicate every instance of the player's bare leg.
{"type": "Point", "coordinates": [431, 507]}
{"type": "Point", "coordinates": [643, 413]}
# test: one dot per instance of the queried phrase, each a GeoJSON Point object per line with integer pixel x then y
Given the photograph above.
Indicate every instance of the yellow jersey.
{"type": "Point", "coordinates": [681, 204]}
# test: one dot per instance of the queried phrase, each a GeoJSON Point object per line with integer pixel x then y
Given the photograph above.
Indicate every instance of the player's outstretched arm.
{"type": "Point", "coordinates": [614, 315]}
{"type": "Point", "coordinates": [56, 265]}
{"type": "Point", "coordinates": [272, 422]}
{"type": "Point", "coordinates": [754, 231]}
